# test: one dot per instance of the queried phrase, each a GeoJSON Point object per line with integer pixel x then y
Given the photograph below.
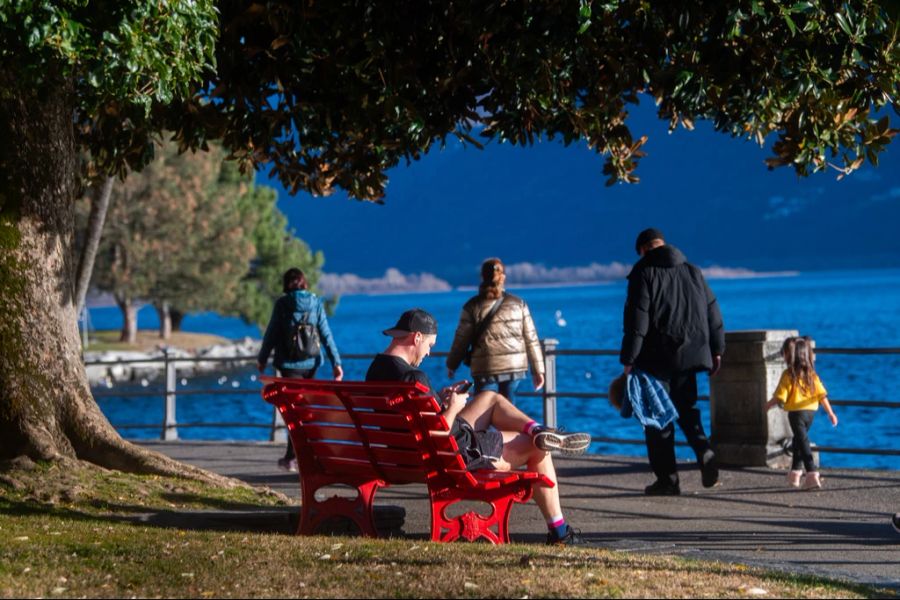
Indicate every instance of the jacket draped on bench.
{"type": "Point", "coordinates": [373, 435]}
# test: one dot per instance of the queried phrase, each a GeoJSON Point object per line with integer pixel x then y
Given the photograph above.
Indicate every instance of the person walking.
{"type": "Point", "coordinates": [490, 431]}
{"type": "Point", "coordinates": [298, 308]}
{"type": "Point", "coordinates": [799, 392]}
{"type": "Point", "coordinates": [496, 337]}
{"type": "Point", "coordinates": [672, 330]}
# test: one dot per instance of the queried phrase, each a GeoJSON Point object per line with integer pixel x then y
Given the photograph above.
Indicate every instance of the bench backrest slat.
{"type": "Point", "coordinates": [384, 455]}
{"type": "Point", "coordinates": [341, 417]}
{"type": "Point", "coordinates": [351, 434]}
{"type": "Point", "coordinates": [391, 473]}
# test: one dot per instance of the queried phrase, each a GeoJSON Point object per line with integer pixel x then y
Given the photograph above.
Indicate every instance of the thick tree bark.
{"type": "Point", "coordinates": [165, 320]}
{"type": "Point", "coordinates": [47, 411]}
{"type": "Point", "coordinates": [99, 207]}
{"type": "Point", "coordinates": [177, 317]}
{"type": "Point", "coordinates": [129, 319]}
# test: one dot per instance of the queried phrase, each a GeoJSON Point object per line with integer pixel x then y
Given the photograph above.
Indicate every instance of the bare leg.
{"type": "Point", "coordinates": [490, 408]}
{"type": "Point", "coordinates": [519, 450]}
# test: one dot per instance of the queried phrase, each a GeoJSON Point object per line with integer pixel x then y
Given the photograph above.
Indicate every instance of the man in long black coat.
{"type": "Point", "coordinates": [673, 330]}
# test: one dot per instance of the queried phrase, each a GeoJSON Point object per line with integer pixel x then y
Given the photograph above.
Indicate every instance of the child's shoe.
{"type": "Point", "coordinates": [793, 478]}
{"type": "Point", "coordinates": [288, 464]}
{"type": "Point", "coordinates": [812, 481]}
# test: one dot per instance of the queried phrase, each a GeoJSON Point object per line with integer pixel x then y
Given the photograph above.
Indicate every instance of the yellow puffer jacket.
{"type": "Point", "coordinates": [509, 345]}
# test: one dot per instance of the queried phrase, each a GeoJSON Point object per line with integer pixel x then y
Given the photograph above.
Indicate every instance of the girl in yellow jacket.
{"type": "Point", "coordinates": [800, 391]}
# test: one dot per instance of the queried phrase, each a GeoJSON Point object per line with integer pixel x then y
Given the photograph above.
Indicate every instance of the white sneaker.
{"type": "Point", "coordinates": [794, 477]}
{"type": "Point", "coordinates": [570, 444]}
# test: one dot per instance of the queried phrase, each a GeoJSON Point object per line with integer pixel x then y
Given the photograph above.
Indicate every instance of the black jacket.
{"type": "Point", "coordinates": [672, 319]}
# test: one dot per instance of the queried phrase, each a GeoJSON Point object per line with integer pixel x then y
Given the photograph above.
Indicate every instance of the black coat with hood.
{"type": "Point", "coordinates": [672, 319]}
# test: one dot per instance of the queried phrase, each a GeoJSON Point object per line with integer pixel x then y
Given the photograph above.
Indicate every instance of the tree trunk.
{"type": "Point", "coordinates": [177, 317]}
{"type": "Point", "coordinates": [129, 319]}
{"type": "Point", "coordinates": [99, 207]}
{"type": "Point", "coordinates": [47, 411]}
{"type": "Point", "coordinates": [165, 320]}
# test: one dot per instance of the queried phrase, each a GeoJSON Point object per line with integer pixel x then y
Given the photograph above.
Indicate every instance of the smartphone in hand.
{"type": "Point", "coordinates": [463, 387]}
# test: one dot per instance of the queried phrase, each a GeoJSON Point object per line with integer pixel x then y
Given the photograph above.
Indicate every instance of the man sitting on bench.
{"type": "Point", "coordinates": [516, 439]}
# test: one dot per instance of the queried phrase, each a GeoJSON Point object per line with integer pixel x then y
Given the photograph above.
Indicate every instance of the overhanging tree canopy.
{"type": "Point", "coordinates": [332, 94]}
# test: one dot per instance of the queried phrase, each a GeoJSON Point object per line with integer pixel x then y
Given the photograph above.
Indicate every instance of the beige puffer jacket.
{"type": "Point", "coordinates": [509, 345]}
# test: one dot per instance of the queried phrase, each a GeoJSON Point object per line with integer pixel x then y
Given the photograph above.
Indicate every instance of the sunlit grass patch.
{"type": "Point", "coordinates": [89, 544]}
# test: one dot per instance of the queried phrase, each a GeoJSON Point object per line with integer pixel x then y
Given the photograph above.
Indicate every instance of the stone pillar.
{"type": "Point", "coordinates": [743, 432]}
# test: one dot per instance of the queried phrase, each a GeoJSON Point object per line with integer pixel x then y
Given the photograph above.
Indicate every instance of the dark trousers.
{"type": "Point", "coordinates": [801, 421]}
{"type": "Point", "coordinates": [295, 374]}
{"type": "Point", "coordinates": [661, 443]}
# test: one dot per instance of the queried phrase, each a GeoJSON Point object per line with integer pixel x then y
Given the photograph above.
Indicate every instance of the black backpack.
{"type": "Point", "coordinates": [300, 340]}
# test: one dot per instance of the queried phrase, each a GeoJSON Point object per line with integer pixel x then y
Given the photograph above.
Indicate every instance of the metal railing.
{"type": "Point", "coordinates": [549, 395]}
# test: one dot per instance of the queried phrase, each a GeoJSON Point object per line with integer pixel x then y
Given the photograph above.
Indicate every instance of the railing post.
{"type": "Point", "coordinates": [744, 433]}
{"type": "Point", "coordinates": [170, 426]}
{"type": "Point", "coordinates": [549, 346]}
{"type": "Point", "coordinates": [279, 431]}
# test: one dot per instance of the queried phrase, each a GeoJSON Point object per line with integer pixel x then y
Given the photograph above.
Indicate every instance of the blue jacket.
{"type": "Point", "coordinates": [648, 401]}
{"type": "Point", "coordinates": [299, 302]}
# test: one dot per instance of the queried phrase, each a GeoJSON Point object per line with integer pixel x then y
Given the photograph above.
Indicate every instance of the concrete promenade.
{"type": "Point", "coordinates": [842, 531]}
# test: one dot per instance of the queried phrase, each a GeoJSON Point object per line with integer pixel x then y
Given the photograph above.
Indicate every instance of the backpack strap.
{"type": "Point", "coordinates": [485, 322]}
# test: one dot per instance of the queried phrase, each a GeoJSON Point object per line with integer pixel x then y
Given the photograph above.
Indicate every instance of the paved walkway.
{"type": "Point", "coordinates": [842, 531]}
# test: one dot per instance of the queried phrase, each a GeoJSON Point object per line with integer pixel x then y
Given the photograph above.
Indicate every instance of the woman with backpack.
{"type": "Point", "coordinates": [496, 337]}
{"type": "Point", "coordinates": [298, 331]}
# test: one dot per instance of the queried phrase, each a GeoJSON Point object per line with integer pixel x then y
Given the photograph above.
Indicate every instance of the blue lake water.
{"type": "Point", "coordinates": [839, 309]}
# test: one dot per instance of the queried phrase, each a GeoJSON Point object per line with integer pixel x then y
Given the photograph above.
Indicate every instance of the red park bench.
{"type": "Point", "coordinates": [373, 435]}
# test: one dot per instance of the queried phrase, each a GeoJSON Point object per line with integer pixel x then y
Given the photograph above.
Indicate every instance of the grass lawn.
{"type": "Point", "coordinates": [74, 532]}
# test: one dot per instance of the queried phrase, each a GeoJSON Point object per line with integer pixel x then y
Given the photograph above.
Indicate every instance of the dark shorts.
{"type": "Point", "coordinates": [479, 449]}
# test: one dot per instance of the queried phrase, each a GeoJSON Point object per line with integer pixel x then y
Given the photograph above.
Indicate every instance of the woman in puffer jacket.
{"type": "Point", "coordinates": [501, 355]}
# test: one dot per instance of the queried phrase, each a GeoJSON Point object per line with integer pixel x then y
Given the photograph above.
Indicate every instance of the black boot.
{"type": "Point", "coordinates": [663, 488]}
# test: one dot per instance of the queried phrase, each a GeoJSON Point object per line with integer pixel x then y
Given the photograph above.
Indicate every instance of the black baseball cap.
{"type": "Point", "coordinates": [647, 235]}
{"type": "Point", "coordinates": [415, 320]}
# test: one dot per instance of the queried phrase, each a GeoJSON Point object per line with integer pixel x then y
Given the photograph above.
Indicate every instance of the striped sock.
{"type": "Point", "coordinates": [557, 524]}
{"type": "Point", "coordinates": [530, 427]}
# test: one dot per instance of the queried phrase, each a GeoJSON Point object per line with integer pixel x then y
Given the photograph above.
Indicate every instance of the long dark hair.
{"type": "Point", "coordinates": [787, 350]}
{"type": "Point", "coordinates": [802, 366]}
{"type": "Point", "coordinates": [294, 279]}
{"type": "Point", "coordinates": [493, 276]}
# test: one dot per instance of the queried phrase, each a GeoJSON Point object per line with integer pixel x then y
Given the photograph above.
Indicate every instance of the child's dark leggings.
{"type": "Point", "coordinates": [801, 421]}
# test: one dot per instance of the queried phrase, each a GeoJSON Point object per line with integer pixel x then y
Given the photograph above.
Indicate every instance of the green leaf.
{"type": "Point", "coordinates": [790, 23]}
{"type": "Point", "coordinates": [842, 21]}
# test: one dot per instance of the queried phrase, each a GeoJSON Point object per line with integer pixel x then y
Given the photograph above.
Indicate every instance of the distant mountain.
{"type": "Point", "coordinates": [392, 282]}
{"type": "Point", "coordinates": [547, 204]}
{"type": "Point", "coordinates": [519, 274]}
